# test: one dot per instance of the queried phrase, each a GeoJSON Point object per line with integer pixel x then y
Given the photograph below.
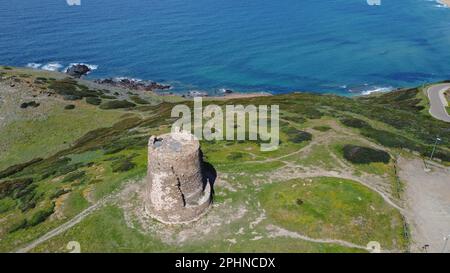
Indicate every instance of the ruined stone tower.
{"type": "Point", "coordinates": [177, 191]}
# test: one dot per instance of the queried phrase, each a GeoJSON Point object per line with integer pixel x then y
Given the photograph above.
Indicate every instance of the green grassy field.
{"type": "Point", "coordinates": [65, 127]}
{"type": "Point", "coordinates": [106, 231]}
{"type": "Point", "coordinates": [327, 207]}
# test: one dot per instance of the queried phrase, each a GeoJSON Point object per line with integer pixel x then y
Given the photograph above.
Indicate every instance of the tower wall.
{"type": "Point", "coordinates": [177, 191]}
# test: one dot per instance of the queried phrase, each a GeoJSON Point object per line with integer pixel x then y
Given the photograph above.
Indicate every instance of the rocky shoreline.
{"type": "Point", "coordinates": [80, 70]}
{"type": "Point", "coordinates": [77, 71]}
{"type": "Point", "coordinates": [133, 84]}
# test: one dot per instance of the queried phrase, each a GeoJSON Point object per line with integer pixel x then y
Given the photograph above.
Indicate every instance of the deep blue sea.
{"type": "Point", "coordinates": [339, 46]}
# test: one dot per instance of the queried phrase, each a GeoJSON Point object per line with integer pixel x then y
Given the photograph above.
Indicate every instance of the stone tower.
{"type": "Point", "coordinates": [177, 191]}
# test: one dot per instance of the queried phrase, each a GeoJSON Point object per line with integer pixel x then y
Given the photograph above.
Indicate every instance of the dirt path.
{"type": "Point", "coordinates": [311, 173]}
{"type": "Point", "coordinates": [281, 232]}
{"type": "Point", "coordinates": [428, 203]}
{"type": "Point", "coordinates": [74, 221]}
{"type": "Point", "coordinates": [62, 228]}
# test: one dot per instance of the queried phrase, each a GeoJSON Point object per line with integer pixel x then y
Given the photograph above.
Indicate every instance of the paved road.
{"type": "Point", "coordinates": [438, 101]}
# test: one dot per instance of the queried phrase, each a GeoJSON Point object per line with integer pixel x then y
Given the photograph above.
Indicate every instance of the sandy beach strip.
{"type": "Point", "coordinates": [445, 2]}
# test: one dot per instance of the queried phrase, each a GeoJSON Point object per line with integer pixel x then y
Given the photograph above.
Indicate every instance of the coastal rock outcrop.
{"type": "Point", "coordinates": [78, 70]}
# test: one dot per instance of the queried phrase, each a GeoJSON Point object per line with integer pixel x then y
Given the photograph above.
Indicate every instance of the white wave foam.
{"type": "Point", "coordinates": [118, 79]}
{"type": "Point", "coordinates": [55, 66]}
{"type": "Point", "coordinates": [52, 66]}
{"type": "Point", "coordinates": [34, 65]}
{"type": "Point", "coordinates": [441, 4]}
{"type": "Point", "coordinates": [377, 90]}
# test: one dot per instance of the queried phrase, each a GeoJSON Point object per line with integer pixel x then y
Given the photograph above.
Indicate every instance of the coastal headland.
{"type": "Point", "coordinates": [348, 171]}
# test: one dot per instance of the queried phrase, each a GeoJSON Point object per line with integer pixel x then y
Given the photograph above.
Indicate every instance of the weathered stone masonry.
{"type": "Point", "coordinates": [177, 191]}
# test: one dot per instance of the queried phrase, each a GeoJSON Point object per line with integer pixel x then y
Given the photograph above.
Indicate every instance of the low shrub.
{"type": "Point", "coordinates": [69, 107]}
{"type": "Point", "coordinates": [21, 224]}
{"type": "Point", "coordinates": [322, 128]}
{"type": "Point", "coordinates": [312, 113]}
{"type": "Point", "coordinates": [125, 144]}
{"type": "Point", "coordinates": [392, 140]}
{"type": "Point", "coordinates": [60, 167]}
{"type": "Point", "coordinates": [70, 89]}
{"type": "Point", "coordinates": [14, 187]}
{"type": "Point", "coordinates": [116, 104]}
{"type": "Point", "coordinates": [297, 136]}
{"type": "Point", "coordinates": [354, 122]}
{"type": "Point", "coordinates": [40, 216]}
{"type": "Point", "coordinates": [29, 104]}
{"type": "Point", "coordinates": [126, 123]}
{"type": "Point", "coordinates": [139, 100]}
{"type": "Point", "coordinates": [22, 190]}
{"type": "Point", "coordinates": [442, 154]}
{"type": "Point", "coordinates": [18, 168]}
{"type": "Point", "coordinates": [51, 167]}
{"type": "Point", "coordinates": [26, 193]}
{"type": "Point", "coordinates": [122, 165]}
{"type": "Point", "coordinates": [405, 99]}
{"type": "Point", "coordinates": [69, 168]}
{"type": "Point", "coordinates": [235, 156]}
{"type": "Point", "coordinates": [365, 155]}
{"type": "Point", "coordinates": [37, 218]}
{"type": "Point", "coordinates": [74, 176]}
{"type": "Point", "coordinates": [109, 97]}
{"type": "Point", "coordinates": [27, 203]}
{"type": "Point", "coordinates": [296, 119]}
{"type": "Point", "coordinates": [28, 198]}
{"type": "Point", "coordinates": [94, 100]}
{"type": "Point", "coordinates": [72, 97]}
{"type": "Point", "coordinates": [58, 193]}
{"type": "Point", "coordinates": [7, 204]}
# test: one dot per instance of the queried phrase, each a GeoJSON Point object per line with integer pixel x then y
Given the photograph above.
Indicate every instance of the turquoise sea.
{"type": "Point", "coordinates": [338, 46]}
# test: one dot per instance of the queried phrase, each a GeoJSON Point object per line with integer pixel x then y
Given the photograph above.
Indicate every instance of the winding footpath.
{"type": "Point", "coordinates": [72, 222]}
{"type": "Point", "coordinates": [438, 102]}
{"type": "Point", "coordinates": [64, 227]}
{"type": "Point", "coordinates": [281, 232]}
